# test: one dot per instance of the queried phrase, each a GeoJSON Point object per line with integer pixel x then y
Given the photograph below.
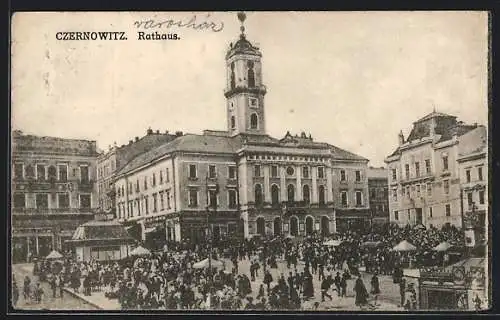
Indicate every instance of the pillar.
{"type": "Point", "coordinates": [28, 248]}
{"type": "Point", "coordinates": [283, 185]}
{"type": "Point", "coordinates": [266, 189]}
{"type": "Point", "coordinates": [143, 231]}
{"type": "Point", "coordinates": [299, 194]}
{"type": "Point", "coordinates": [36, 245]}
{"type": "Point", "coordinates": [329, 184]}
{"type": "Point", "coordinates": [314, 186]}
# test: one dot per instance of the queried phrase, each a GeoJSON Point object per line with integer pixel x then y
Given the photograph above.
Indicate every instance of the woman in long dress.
{"type": "Point", "coordinates": [361, 292]}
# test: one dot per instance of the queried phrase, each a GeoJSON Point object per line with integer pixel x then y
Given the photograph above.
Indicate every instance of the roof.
{"type": "Point", "coordinates": [242, 46]}
{"type": "Point", "coordinates": [100, 230]}
{"type": "Point", "coordinates": [186, 143]}
{"type": "Point", "coordinates": [376, 173]}
{"type": "Point", "coordinates": [221, 144]}
{"type": "Point", "coordinates": [435, 114]}
{"type": "Point", "coordinates": [474, 141]}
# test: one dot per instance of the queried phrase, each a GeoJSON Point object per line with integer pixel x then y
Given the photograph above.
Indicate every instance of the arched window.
{"type": "Point", "coordinates": [275, 194]}
{"type": "Point", "coordinates": [233, 78]}
{"type": "Point", "coordinates": [291, 193]}
{"type": "Point", "coordinates": [52, 173]}
{"type": "Point", "coordinates": [251, 75]}
{"type": "Point", "coordinates": [321, 193]}
{"type": "Point", "coordinates": [233, 122]}
{"type": "Point", "coordinates": [306, 194]}
{"type": "Point", "coordinates": [253, 121]}
{"type": "Point", "coordinates": [258, 195]}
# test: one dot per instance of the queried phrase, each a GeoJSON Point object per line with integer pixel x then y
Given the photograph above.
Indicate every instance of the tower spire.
{"type": "Point", "coordinates": [242, 17]}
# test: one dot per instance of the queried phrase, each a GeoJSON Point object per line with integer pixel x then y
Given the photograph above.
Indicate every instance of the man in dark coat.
{"type": "Point", "coordinates": [325, 286]}
{"type": "Point", "coordinates": [361, 292]}
{"type": "Point", "coordinates": [290, 282]}
{"type": "Point", "coordinates": [308, 289]}
{"type": "Point", "coordinates": [268, 278]}
{"type": "Point", "coordinates": [375, 284]}
{"type": "Point", "coordinates": [337, 282]}
{"type": "Point", "coordinates": [343, 285]}
{"type": "Point", "coordinates": [402, 290]}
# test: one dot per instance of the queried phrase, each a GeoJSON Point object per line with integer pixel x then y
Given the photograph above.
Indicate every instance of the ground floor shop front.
{"type": "Point", "coordinates": [38, 237]}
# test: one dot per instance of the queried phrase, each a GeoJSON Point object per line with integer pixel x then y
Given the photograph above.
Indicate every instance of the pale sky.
{"type": "Point", "coordinates": [351, 79]}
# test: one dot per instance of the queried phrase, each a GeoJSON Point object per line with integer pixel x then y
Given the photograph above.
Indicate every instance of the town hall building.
{"type": "Point", "coordinates": [241, 181]}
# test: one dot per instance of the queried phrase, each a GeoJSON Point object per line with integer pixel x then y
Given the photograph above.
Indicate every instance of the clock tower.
{"type": "Point", "coordinates": [244, 89]}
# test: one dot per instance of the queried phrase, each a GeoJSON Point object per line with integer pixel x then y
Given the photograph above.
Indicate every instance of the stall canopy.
{"type": "Point", "coordinates": [443, 246]}
{"type": "Point", "coordinates": [404, 246]}
{"type": "Point", "coordinates": [332, 243]}
{"type": "Point", "coordinates": [140, 251]}
{"type": "Point", "coordinates": [203, 264]}
{"type": "Point", "coordinates": [54, 255]}
{"type": "Point", "coordinates": [371, 244]}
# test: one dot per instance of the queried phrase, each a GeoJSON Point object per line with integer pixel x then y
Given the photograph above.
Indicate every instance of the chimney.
{"type": "Point", "coordinates": [149, 131]}
{"type": "Point", "coordinates": [178, 133]}
{"type": "Point", "coordinates": [166, 131]}
{"type": "Point", "coordinates": [130, 142]}
{"type": "Point", "coordinates": [157, 131]}
{"type": "Point", "coordinates": [401, 138]}
{"type": "Point", "coordinates": [136, 139]}
{"type": "Point", "coordinates": [433, 127]}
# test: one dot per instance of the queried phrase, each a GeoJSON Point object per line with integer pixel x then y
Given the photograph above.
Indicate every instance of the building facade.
{"type": "Point", "coordinates": [379, 195]}
{"type": "Point", "coordinates": [108, 163]}
{"type": "Point", "coordinates": [53, 192]}
{"type": "Point", "coordinates": [249, 182]}
{"type": "Point", "coordinates": [424, 174]}
{"type": "Point", "coordinates": [473, 167]}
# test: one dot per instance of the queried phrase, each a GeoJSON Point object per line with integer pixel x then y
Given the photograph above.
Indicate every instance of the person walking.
{"type": "Point", "coordinates": [15, 293]}
{"type": "Point", "coordinates": [325, 286]}
{"type": "Point", "coordinates": [61, 287]}
{"type": "Point", "coordinates": [268, 279]}
{"type": "Point", "coordinates": [375, 286]}
{"type": "Point", "coordinates": [26, 288]}
{"type": "Point", "coordinates": [337, 282]}
{"type": "Point", "coordinates": [343, 285]}
{"type": "Point", "coordinates": [402, 290]}
{"type": "Point", "coordinates": [361, 292]}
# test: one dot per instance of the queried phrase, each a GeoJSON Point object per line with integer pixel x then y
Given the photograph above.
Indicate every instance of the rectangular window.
{"type": "Point", "coordinates": [18, 170]}
{"type": "Point", "coordinates": [480, 173]}
{"type": "Point", "coordinates": [343, 195]}
{"type": "Point", "coordinates": [232, 198]}
{"type": "Point", "coordinates": [153, 180]}
{"type": "Point", "coordinates": [321, 172]}
{"type": "Point", "coordinates": [274, 171]}
{"type": "Point", "coordinates": [232, 172]}
{"type": "Point", "coordinates": [40, 172]}
{"type": "Point", "coordinates": [193, 198]}
{"type": "Point", "coordinates": [407, 171]}
{"type": "Point", "coordinates": [161, 177]}
{"type": "Point", "coordinates": [85, 201]}
{"type": "Point", "coordinates": [146, 205]}
{"type": "Point", "coordinates": [417, 169]}
{"type": "Point", "coordinates": [63, 200]}
{"type": "Point", "coordinates": [430, 212]}
{"type": "Point", "coordinates": [342, 175]}
{"type": "Point", "coordinates": [408, 191]}
{"type": "Point", "coordinates": [469, 199]}
{"type": "Point", "coordinates": [212, 172]}
{"type": "Point", "coordinates": [155, 202]}
{"type": "Point", "coordinates": [467, 175]}
{"type": "Point", "coordinates": [429, 189]}
{"type": "Point", "coordinates": [359, 198]}
{"type": "Point", "coordinates": [84, 174]}
{"type": "Point", "coordinates": [145, 183]}
{"type": "Point", "coordinates": [448, 210]}
{"type": "Point", "coordinates": [212, 198]}
{"type": "Point", "coordinates": [63, 172]}
{"type": "Point", "coordinates": [358, 175]}
{"type": "Point", "coordinates": [42, 201]}
{"type": "Point", "coordinates": [481, 197]}
{"type": "Point", "coordinates": [446, 186]}
{"type": "Point", "coordinates": [138, 204]}
{"type": "Point", "coordinates": [394, 195]}
{"type": "Point", "coordinates": [396, 215]}
{"type": "Point", "coordinates": [394, 174]}
{"type": "Point", "coordinates": [162, 204]}
{"type": "Point", "coordinates": [256, 171]}
{"type": "Point", "coordinates": [19, 200]}
{"type": "Point", "coordinates": [167, 175]}
{"type": "Point", "coordinates": [445, 163]}
{"type": "Point", "coordinates": [305, 172]}
{"type": "Point", "coordinates": [418, 190]}
{"type": "Point", "coordinates": [137, 186]}
{"type": "Point", "coordinates": [192, 171]}
{"type": "Point", "coordinates": [428, 166]}
{"type": "Point", "coordinates": [168, 199]}
{"type": "Point", "coordinates": [254, 103]}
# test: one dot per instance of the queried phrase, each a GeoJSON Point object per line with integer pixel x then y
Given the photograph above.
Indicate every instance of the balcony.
{"type": "Point", "coordinates": [420, 178]}
{"type": "Point", "coordinates": [242, 89]}
{"type": "Point", "coordinates": [51, 211]}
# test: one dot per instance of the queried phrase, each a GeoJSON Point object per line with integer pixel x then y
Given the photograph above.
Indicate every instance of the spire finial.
{"type": "Point", "coordinates": [242, 17]}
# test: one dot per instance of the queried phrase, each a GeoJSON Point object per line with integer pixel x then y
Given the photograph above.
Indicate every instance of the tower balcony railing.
{"type": "Point", "coordinates": [260, 89]}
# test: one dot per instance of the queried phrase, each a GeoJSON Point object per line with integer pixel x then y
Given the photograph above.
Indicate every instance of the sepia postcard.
{"type": "Point", "coordinates": [307, 161]}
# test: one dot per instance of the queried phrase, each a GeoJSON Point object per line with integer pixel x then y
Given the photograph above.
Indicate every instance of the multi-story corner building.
{"type": "Point", "coordinates": [379, 195]}
{"type": "Point", "coordinates": [53, 192]}
{"type": "Point", "coordinates": [252, 183]}
{"type": "Point", "coordinates": [473, 170]}
{"type": "Point", "coordinates": [108, 163]}
{"type": "Point", "coordinates": [424, 175]}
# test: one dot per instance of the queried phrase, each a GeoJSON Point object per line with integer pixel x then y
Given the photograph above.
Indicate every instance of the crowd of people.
{"type": "Point", "coordinates": [169, 279]}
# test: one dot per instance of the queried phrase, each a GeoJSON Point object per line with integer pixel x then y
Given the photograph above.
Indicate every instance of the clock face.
{"type": "Point", "coordinates": [290, 171]}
